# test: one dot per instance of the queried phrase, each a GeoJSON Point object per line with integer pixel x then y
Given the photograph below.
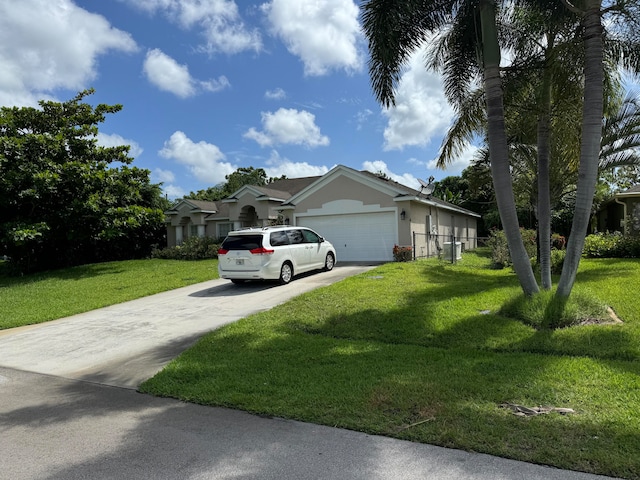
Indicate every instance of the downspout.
{"type": "Point", "coordinates": [624, 218]}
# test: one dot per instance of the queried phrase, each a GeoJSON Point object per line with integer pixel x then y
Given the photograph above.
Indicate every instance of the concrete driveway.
{"type": "Point", "coordinates": [125, 344]}
{"type": "Point", "coordinates": [68, 408]}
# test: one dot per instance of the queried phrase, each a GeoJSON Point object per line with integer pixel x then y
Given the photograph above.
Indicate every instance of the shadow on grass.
{"type": "Point", "coordinates": [418, 372]}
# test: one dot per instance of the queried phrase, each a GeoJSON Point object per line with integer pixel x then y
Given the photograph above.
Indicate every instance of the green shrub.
{"type": "Point", "coordinates": [612, 245]}
{"type": "Point", "coordinates": [193, 248]}
{"type": "Point", "coordinates": [500, 256]}
{"type": "Point", "coordinates": [601, 245]}
{"type": "Point", "coordinates": [628, 247]}
{"type": "Point", "coordinates": [557, 260]}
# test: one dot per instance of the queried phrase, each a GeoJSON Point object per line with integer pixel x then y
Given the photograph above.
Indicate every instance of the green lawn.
{"type": "Point", "coordinates": [60, 293]}
{"type": "Point", "coordinates": [417, 351]}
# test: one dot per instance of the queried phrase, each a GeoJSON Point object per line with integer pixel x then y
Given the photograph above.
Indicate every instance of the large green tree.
{"type": "Point", "coordinates": [65, 200]}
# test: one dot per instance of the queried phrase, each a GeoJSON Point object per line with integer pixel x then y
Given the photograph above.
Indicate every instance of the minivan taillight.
{"type": "Point", "coordinates": [261, 251]}
{"type": "Point", "coordinates": [222, 251]}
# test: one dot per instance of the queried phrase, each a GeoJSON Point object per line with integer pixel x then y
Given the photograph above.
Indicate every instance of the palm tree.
{"type": "Point", "coordinates": [593, 32]}
{"type": "Point", "coordinates": [544, 73]}
{"type": "Point", "coordinates": [396, 28]}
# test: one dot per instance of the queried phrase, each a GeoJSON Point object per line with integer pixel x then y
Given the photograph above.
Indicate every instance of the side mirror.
{"type": "Point", "coordinates": [320, 239]}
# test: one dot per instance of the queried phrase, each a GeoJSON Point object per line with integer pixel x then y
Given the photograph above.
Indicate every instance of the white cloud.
{"type": "Point", "coordinates": [288, 126]}
{"type": "Point", "coordinates": [362, 117]}
{"type": "Point", "coordinates": [278, 166]}
{"type": "Point", "coordinates": [159, 175]}
{"type": "Point", "coordinates": [277, 94]}
{"type": "Point", "coordinates": [46, 45]}
{"type": "Point", "coordinates": [115, 140]}
{"type": "Point", "coordinates": [173, 191]}
{"type": "Point", "coordinates": [204, 160]}
{"type": "Point", "coordinates": [218, 21]}
{"type": "Point", "coordinates": [324, 35]}
{"type": "Point", "coordinates": [168, 75]}
{"type": "Point", "coordinates": [214, 85]}
{"type": "Point", "coordinates": [421, 110]}
{"type": "Point", "coordinates": [379, 166]}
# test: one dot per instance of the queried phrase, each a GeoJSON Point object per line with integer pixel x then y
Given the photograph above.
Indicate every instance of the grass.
{"type": "Point", "coordinates": [55, 294]}
{"type": "Point", "coordinates": [419, 351]}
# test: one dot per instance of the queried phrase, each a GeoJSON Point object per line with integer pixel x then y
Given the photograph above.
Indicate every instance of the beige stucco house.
{"type": "Point", "coordinates": [621, 213]}
{"type": "Point", "coordinates": [364, 215]}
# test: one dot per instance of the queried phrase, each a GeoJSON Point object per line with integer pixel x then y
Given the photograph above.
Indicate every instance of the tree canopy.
{"type": "Point", "coordinates": [64, 199]}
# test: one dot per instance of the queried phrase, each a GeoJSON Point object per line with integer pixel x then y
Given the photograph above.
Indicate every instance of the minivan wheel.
{"type": "Point", "coordinates": [237, 281]}
{"type": "Point", "coordinates": [286, 273]}
{"type": "Point", "coordinates": [329, 262]}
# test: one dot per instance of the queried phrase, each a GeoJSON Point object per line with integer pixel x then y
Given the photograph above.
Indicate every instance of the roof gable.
{"type": "Point", "coordinates": [278, 190]}
{"type": "Point", "coordinates": [194, 206]}
{"type": "Point", "coordinates": [371, 180]}
{"type": "Point", "coordinates": [385, 185]}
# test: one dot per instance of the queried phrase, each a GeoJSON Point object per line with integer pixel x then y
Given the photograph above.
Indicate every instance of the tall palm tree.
{"type": "Point", "coordinates": [396, 28]}
{"type": "Point", "coordinates": [545, 73]}
{"type": "Point", "coordinates": [593, 32]}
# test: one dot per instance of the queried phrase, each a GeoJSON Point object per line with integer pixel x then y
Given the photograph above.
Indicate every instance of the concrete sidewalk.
{"type": "Point", "coordinates": [69, 409]}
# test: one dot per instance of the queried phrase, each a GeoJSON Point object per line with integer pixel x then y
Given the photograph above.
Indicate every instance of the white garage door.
{"type": "Point", "coordinates": [357, 237]}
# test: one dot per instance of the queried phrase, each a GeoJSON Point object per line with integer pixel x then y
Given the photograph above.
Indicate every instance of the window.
{"type": "Point", "coordinates": [224, 229]}
{"type": "Point", "coordinates": [277, 239]}
{"type": "Point", "coordinates": [193, 230]}
{"type": "Point", "coordinates": [295, 236]}
{"type": "Point", "coordinates": [310, 237]}
{"type": "Point", "coordinates": [242, 242]}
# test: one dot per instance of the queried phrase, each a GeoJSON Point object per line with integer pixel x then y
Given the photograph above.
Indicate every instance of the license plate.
{"type": "Point", "coordinates": [239, 261]}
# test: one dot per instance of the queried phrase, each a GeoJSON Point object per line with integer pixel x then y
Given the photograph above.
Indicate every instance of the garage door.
{"type": "Point", "coordinates": [357, 237]}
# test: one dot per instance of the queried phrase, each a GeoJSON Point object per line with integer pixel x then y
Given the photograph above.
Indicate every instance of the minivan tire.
{"type": "Point", "coordinates": [329, 262]}
{"type": "Point", "coordinates": [286, 273]}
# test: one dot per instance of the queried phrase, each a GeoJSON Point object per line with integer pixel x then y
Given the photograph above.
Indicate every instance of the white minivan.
{"type": "Point", "coordinates": [273, 253]}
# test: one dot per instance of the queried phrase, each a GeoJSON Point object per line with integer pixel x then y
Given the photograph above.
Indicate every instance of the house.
{"type": "Point", "coordinates": [363, 214]}
{"type": "Point", "coordinates": [621, 213]}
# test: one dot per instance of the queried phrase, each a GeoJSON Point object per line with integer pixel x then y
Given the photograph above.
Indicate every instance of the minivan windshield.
{"type": "Point", "coordinates": [242, 242]}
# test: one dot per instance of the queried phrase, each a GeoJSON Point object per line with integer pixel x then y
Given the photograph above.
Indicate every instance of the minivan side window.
{"type": "Point", "coordinates": [310, 237]}
{"type": "Point", "coordinates": [277, 239]}
{"type": "Point", "coordinates": [295, 236]}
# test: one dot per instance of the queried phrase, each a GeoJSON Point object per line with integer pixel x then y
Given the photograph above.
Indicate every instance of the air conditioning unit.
{"type": "Point", "coordinates": [447, 253]}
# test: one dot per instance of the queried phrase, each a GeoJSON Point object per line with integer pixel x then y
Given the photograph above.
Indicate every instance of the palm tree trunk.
{"type": "Point", "coordinates": [544, 202]}
{"type": "Point", "coordinates": [590, 144]}
{"type": "Point", "coordinates": [498, 149]}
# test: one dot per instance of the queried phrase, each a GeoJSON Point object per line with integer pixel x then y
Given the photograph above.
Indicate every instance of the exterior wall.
{"type": "Point", "coordinates": [345, 188]}
{"type": "Point", "coordinates": [266, 210]}
{"type": "Point", "coordinates": [433, 226]}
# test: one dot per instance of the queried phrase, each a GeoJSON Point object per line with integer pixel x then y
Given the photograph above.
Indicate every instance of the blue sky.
{"type": "Point", "coordinates": [209, 86]}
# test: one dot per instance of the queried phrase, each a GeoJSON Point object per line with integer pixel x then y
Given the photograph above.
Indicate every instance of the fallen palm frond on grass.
{"type": "Point", "coordinates": [416, 351]}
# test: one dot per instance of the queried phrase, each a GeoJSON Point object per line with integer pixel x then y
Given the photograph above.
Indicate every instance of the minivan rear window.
{"type": "Point", "coordinates": [242, 242]}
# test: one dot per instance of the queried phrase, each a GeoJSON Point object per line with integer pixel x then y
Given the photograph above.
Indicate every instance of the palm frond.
{"type": "Point", "coordinates": [394, 29]}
